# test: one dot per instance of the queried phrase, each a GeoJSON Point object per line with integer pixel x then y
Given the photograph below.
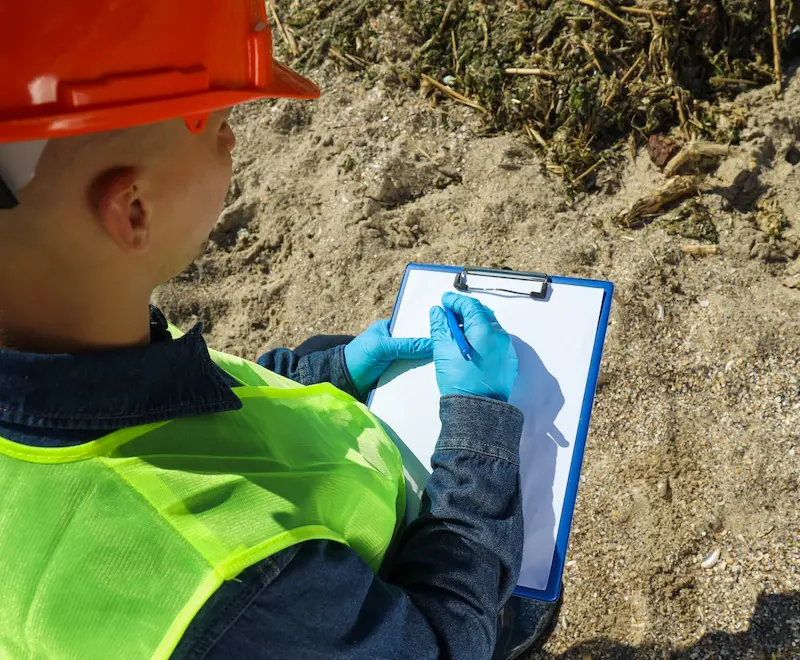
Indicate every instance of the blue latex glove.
{"type": "Point", "coordinates": [493, 369]}
{"type": "Point", "coordinates": [371, 353]}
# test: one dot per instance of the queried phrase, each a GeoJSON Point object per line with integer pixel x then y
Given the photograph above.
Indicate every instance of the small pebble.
{"type": "Point", "coordinates": [711, 561]}
{"type": "Point", "coordinates": [704, 303]}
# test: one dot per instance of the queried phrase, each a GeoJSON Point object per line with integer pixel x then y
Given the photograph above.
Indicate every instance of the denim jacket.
{"type": "Point", "coordinates": [452, 569]}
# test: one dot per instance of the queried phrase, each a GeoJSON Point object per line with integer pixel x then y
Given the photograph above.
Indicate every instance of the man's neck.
{"type": "Point", "coordinates": [44, 342]}
{"type": "Point", "coordinates": [66, 317]}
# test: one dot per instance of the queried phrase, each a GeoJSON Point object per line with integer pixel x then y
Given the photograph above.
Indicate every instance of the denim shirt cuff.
{"type": "Point", "coordinates": [481, 425]}
{"type": "Point", "coordinates": [327, 367]}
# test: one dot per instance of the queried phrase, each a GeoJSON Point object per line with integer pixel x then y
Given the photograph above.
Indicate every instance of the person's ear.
{"type": "Point", "coordinates": [117, 203]}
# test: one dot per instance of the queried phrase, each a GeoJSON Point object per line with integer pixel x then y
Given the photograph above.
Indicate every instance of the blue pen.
{"type": "Point", "coordinates": [458, 334]}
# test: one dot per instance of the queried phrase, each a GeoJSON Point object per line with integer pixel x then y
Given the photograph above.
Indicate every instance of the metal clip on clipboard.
{"type": "Point", "coordinates": [539, 279]}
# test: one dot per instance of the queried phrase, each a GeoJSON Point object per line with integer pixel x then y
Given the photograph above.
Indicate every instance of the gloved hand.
{"type": "Point", "coordinates": [371, 353]}
{"type": "Point", "coordinates": [492, 371]}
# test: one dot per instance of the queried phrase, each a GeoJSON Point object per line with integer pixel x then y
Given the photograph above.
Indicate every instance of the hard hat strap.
{"type": "Point", "coordinates": [8, 200]}
{"type": "Point", "coordinates": [197, 123]}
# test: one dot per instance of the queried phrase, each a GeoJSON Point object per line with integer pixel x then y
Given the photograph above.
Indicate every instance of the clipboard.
{"type": "Point", "coordinates": [505, 291]}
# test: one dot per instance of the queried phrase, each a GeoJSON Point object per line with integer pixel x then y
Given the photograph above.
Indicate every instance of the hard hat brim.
{"type": "Point", "coordinates": [285, 83]}
{"type": "Point", "coordinates": [289, 84]}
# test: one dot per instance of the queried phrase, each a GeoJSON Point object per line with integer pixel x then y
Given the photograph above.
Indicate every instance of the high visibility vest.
{"type": "Point", "coordinates": [110, 548]}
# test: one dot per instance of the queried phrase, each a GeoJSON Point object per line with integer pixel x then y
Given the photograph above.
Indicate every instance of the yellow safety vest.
{"type": "Point", "coordinates": [110, 548]}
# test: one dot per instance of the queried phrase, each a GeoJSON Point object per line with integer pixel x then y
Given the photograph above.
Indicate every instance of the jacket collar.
{"type": "Point", "coordinates": [115, 389]}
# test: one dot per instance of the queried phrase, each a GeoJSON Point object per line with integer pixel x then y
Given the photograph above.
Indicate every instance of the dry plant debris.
{"type": "Point", "coordinates": [692, 219]}
{"type": "Point", "coordinates": [700, 250]}
{"type": "Point", "coordinates": [580, 76]}
{"type": "Point", "coordinates": [648, 207]}
{"type": "Point", "coordinates": [692, 153]}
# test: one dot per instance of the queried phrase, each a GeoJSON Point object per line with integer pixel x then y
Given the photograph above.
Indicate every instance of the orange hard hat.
{"type": "Point", "coordinates": [80, 66]}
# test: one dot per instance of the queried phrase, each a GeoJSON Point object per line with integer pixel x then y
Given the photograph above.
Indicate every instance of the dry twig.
{"type": "Point", "coordinates": [588, 48]}
{"type": "Point", "coordinates": [605, 10]}
{"type": "Point", "coordinates": [721, 81]}
{"type": "Point", "coordinates": [347, 58]}
{"type": "Point", "coordinates": [536, 135]}
{"type": "Point", "coordinates": [445, 17]}
{"type": "Point", "coordinates": [700, 250]}
{"type": "Point", "coordinates": [642, 12]}
{"type": "Point", "coordinates": [542, 73]}
{"type": "Point", "coordinates": [692, 152]}
{"type": "Point", "coordinates": [681, 113]}
{"type": "Point", "coordinates": [453, 94]}
{"type": "Point", "coordinates": [485, 30]}
{"type": "Point", "coordinates": [287, 36]}
{"type": "Point", "coordinates": [650, 205]}
{"type": "Point", "coordinates": [615, 89]}
{"type": "Point", "coordinates": [448, 10]}
{"type": "Point", "coordinates": [589, 171]}
{"type": "Point", "coordinates": [776, 49]}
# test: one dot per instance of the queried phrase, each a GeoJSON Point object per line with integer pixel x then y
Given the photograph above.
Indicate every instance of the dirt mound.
{"type": "Point", "coordinates": [580, 76]}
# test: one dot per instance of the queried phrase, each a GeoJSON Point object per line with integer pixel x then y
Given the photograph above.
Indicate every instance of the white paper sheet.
{"type": "Point", "coordinates": [554, 341]}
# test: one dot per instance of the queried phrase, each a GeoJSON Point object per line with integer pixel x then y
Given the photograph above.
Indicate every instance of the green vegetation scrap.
{"type": "Point", "coordinates": [582, 78]}
{"type": "Point", "coordinates": [692, 219]}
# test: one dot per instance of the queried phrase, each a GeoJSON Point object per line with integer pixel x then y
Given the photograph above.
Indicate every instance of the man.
{"type": "Point", "coordinates": [159, 499]}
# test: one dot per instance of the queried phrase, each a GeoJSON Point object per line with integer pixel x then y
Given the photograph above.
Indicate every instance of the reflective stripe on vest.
{"type": "Point", "coordinates": [109, 549]}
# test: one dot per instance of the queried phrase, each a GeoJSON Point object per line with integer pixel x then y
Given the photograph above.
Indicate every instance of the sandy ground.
{"type": "Point", "coordinates": [696, 430]}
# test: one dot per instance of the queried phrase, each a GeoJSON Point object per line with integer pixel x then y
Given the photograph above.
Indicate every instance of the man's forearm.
{"type": "Point", "coordinates": [460, 559]}
{"type": "Point", "coordinates": [318, 367]}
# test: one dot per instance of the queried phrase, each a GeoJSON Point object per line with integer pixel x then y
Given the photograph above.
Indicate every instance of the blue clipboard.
{"type": "Point", "coordinates": [553, 589]}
